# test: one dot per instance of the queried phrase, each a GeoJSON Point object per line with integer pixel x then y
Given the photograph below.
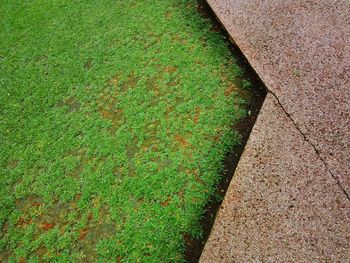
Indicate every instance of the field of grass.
{"type": "Point", "coordinates": [115, 117]}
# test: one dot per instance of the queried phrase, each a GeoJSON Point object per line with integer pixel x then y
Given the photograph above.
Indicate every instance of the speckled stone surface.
{"type": "Point", "coordinates": [282, 204]}
{"type": "Point", "coordinates": [301, 51]}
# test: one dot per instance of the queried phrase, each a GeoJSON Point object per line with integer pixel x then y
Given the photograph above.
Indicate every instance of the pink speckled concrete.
{"type": "Point", "coordinates": [282, 204]}
{"type": "Point", "coordinates": [301, 51]}
{"type": "Point", "coordinates": [289, 198]}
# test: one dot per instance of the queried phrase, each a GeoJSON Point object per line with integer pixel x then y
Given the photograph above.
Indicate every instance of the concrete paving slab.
{"type": "Point", "coordinates": [301, 51]}
{"type": "Point", "coordinates": [282, 204]}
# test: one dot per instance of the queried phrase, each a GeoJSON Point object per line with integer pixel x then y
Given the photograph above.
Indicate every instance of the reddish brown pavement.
{"type": "Point", "coordinates": [289, 198]}
{"type": "Point", "coordinates": [282, 204]}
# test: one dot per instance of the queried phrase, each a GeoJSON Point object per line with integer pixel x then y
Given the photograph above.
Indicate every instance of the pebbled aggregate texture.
{"type": "Point", "coordinates": [301, 51]}
{"type": "Point", "coordinates": [289, 198]}
{"type": "Point", "coordinates": [282, 204]}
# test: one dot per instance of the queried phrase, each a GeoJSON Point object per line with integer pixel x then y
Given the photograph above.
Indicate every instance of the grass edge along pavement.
{"type": "Point", "coordinates": [115, 118]}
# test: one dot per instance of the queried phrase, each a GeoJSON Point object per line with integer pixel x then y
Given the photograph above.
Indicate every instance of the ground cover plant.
{"type": "Point", "coordinates": [115, 117]}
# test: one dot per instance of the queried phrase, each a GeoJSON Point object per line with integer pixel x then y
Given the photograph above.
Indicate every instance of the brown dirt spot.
{"type": "Point", "coordinates": [153, 39]}
{"type": "Point", "coordinates": [83, 161]}
{"type": "Point", "coordinates": [200, 63]}
{"type": "Point", "coordinates": [4, 229]}
{"type": "Point", "coordinates": [13, 164]}
{"type": "Point", "coordinates": [172, 83]}
{"type": "Point", "coordinates": [82, 233]}
{"type": "Point", "coordinates": [89, 237]}
{"type": "Point", "coordinates": [150, 143]}
{"type": "Point", "coordinates": [71, 103]}
{"type": "Point", "coordinates": [106, 114]}
{"type": "Point", "coordinates": [197, 115]}
{"type": "Point", "coordinates": [170, 69]}
{"type": "Point", "coordinates": [109, 110]}
{"type": "Point", "coordinates": [37, 204]}
{"type": "Point", "coordinates": [77, 171]}
{"type": "Point", "coordinates": [188, 239]}
{"type": "Point", "coordinates": [152, 82]}
{"type": "Point", "coordinates": [131, 82]}
{"type": "Point", "coordinates": [90, 216]}
{"type": "Point", "coordinates": [88, 64]}
{"type": "Point", "coordinates": [166, 202]}
{"type": "Point", "coordinates": [132, 149]}
{"type": "Point", "coordinates": [41, 251]}
{"type": "Point", "coordinates": [181, 194]}
{"type": "Point", "coordinates": [114, 81]}
{"type": "Point", "coordinates": [168, 15]}
{"type": "Point", "coordinates": [46, 226]}
{"type": "Point", "coordinates": [168, 110]}
{"type": "Point", "coordinates": [229, 90]}
{"type": "Point", "coordinates": [26, 203]}
{"type": "Point", "coordinates": [181, 140]}
{"type": "Point", "coordinates": [176, 38]}
{"type": "Point", "coordinates": [216, 138]}
{"type": "Point", "coordinates": [195, 173]}
{"type": "Point", "coordinates": [23, 222]}
{"type": "Point", "coordinates": [116, 116]}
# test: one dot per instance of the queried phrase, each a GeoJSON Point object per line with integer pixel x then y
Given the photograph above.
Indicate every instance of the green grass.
{"type": "Point", "coordinates": [115, 117]}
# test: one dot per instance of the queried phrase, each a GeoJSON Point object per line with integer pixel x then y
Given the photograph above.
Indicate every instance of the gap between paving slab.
{"type": "Point", "coordinates": [280, 206]}
{"type": "Point", "coordinates": [254, 97]}
{"type": "Point", "coordinates": [289, 199]}
{"type": "Point", "coordinates": [301, 51]}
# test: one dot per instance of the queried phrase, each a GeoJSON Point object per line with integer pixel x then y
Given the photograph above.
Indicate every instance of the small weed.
{"type": "Point", "coordinates": [246, 84]}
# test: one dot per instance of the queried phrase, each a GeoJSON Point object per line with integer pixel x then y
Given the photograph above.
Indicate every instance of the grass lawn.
{"type": "Point", "coordinates": [115, 117]}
